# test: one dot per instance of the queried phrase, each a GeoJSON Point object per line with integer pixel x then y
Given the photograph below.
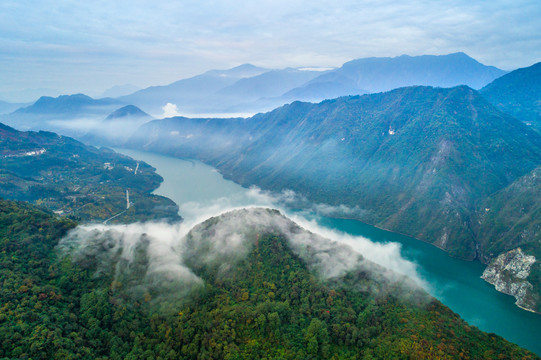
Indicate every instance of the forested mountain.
{"type": "Point", "coordinates": [419, 160]}
{"type": "Point", "coordinates": [519, 94]}
{"type": "Point", "coordinates": [77, 180]}
{"type": "Point", "coordinates": [73, 298]}
{"type": "Point", "coordinates": [372, 75]}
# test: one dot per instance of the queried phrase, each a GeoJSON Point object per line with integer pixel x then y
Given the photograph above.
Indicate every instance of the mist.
{"type": "Point", "coordinates": [158, 259]}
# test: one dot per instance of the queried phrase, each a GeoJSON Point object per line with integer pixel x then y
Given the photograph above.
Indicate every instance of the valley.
{"type": "Point", "coordinates": [421, 161]}
{"type": "Point", "coordinates": [200, 192]}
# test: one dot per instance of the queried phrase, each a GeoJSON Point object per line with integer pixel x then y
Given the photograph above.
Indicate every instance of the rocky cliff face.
{"type": "Point", "coordinates": [509, 274]}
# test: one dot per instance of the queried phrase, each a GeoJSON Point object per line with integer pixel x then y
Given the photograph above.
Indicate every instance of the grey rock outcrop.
{"type": "Point", "coordinates": [509, 274]}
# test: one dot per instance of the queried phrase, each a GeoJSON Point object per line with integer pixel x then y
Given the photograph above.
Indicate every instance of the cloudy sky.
{"type": "Point", "coordinates": [89, 46]}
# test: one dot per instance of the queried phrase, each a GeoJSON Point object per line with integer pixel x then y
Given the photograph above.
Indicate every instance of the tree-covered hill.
{"type": "Point", "coordinates": [269, 300]}
{"type": "Point", "coordinates": [519, 94]}
{"type": "Point", "coordinates": [77, 180]}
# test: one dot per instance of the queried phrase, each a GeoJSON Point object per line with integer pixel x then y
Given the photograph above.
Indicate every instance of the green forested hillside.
{"type": "Point", "coordinates": [519, 94]}
{"type": "Point", "coordinates": [265, 304]}
{"type": "Point", "coordinates": [77, 180]}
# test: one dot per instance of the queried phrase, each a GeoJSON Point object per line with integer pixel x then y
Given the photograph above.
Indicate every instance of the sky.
{"type": "Point", "coordinates": [90, 46]}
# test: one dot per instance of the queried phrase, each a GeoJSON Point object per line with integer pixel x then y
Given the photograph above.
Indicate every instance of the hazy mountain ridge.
{"type": "Point", "coordinates": [67, 104]}
{"type": "Point", "coordinates": [219, 91]}
{"type": "Point", "coordinates": [518, 93]}
{"type": "Point", "coordinates": [269, 303]}
{"type": "Point", "coordinates": [372, 75]}
{"type": "Point", "coordinates": [193, 137]}
{"type": "Point", "coordinates": [415, 160]}
{"type": "Point", "coordinates": [126, 112]}
{"type": "Point", "coordinates": [8, 107]}
{"type": "Point", "coordinates": [71, 115]}
{"type": "Point", "coordinates": [191, 93]}
{"type": "Point", "coordinates": [119, 90]}
{"type": "Point", "coordinates": [270, 84]}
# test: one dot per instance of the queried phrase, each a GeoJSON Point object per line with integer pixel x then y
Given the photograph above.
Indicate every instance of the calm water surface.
{"type": "Point", "coordinates": [198, 188]}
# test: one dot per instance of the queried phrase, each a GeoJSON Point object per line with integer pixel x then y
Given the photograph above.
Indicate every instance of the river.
{"type": "Point", "coordinates": [200, 191]}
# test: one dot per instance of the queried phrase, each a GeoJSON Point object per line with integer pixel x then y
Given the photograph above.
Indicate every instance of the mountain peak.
{"type": "Point", "coordinates": [246, 66]}
{"type": "Point", "coordinates": [127, 111]}
{"type": "Point", "coordinates": [241, 71]}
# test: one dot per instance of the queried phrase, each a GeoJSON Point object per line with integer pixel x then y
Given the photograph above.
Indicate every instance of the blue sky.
{"type": "Point", "coordinates": [89, 46]}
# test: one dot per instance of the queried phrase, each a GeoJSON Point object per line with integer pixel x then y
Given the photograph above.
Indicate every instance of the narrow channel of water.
{"type": "Point", "coordinates": [200, 189]}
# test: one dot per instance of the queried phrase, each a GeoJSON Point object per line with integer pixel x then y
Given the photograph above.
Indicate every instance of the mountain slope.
{"type": "Point", "coordinates": [193, 137]}
{"type": "Point", "coordinates": [509, 229]}
{"type": "Point", "coordinates": [268, 303]}
{"type": "Point", "coordinates": [401, 156]}
{"type": "Point", "coordinates": [519, 94]}
{"type": "Point", "coordinates": [383, 74]}
{"type": "Point", "coordinates": [80, 181]}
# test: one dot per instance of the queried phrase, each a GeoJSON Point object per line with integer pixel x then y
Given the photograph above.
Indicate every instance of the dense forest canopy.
{"type": "Point", "coordinates": [264, 304]}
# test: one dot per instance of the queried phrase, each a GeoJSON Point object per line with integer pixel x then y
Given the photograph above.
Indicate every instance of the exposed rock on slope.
{"type": "Point", "coordinates": [509, 273]}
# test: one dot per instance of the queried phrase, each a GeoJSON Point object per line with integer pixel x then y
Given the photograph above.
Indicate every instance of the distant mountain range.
{"type": "Point", "coordinates": [421, 161]}
{"type": "Point", "coordinates": [68, 105]}
{"type": "Point", "coordinates": [70, 115]}
{"type": "Point", "coordinates": [190, 94]}
{"type": "Point", "coordinates": [7, 107]}
{"type": "Point", "coordinates": [519, 94]}
{"type": "Point", "coordinates": [372, 75]}
{"type": "Point", "coordinates": [249, 88]}
{"type": "Point", "coordinates": [119, 90]}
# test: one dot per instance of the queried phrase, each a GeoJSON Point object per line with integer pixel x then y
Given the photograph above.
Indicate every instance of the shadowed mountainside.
{"type": "Point", "coordinates": [519, 94]}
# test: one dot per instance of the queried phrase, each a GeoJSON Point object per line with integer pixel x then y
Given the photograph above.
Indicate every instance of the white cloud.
{"type": "Point", "coordinates": [170, 110]}
{"type": "Point", "coordinates": [155, 257]}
